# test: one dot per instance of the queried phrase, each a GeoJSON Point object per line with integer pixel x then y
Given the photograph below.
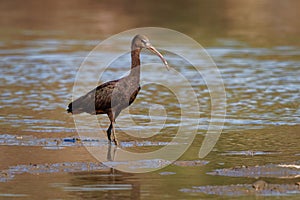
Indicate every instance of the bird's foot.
{"type": "Point", "coordinates": [116, 142]}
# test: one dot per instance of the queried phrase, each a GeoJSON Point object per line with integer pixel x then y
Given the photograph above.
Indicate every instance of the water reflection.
{"type": "Point", "coordinates": [110, 184]}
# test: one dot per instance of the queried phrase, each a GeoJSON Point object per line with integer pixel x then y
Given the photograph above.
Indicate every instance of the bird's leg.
{"type": "Point", "coordinates": [112, 116]}
{"type": "Point", "coordinates": [114, 133]}
{"type": "Point", "coordinates": [109, 132]}
{"type": "Point", "coordinates": [112, 126]}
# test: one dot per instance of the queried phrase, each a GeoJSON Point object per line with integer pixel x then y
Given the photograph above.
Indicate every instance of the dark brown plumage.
{"type": "Point", "coordinates": [112, 97]}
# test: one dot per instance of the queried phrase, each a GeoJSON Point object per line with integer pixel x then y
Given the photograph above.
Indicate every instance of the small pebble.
{"type": "Point", "coordinates": [259, 185]}
{"type": "Point", "coordinates": [4, 173]}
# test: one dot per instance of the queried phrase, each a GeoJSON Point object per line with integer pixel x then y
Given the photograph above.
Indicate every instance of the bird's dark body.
{"type": "Point", "coordinates": [112, 97]}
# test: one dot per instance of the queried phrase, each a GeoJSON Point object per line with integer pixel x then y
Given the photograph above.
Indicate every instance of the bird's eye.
{"type": "Point", "coordinates": [144, 41]}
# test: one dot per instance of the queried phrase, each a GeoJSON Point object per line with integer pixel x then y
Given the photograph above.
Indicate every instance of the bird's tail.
{"type": "Point", "coordinates": [74, 109]}
{"type": "Point", "coordinates": [69, 109]}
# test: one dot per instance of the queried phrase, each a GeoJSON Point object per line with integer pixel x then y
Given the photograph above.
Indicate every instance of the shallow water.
{"type": "Point", "coordinates": [43, 45]}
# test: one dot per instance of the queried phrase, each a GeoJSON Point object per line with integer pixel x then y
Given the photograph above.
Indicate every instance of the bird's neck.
{"type": "Point", "coordinates": [135, 64]}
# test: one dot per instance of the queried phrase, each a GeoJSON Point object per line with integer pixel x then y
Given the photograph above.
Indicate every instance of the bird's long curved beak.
{"type": "Point", "coordinates": [151, 48]}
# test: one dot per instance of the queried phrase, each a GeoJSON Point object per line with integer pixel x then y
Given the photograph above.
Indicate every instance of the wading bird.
{"type": "Point", "coordinates": [112, 97]}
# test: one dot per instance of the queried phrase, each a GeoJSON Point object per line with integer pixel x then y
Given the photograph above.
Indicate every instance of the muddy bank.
{"type": "Point", "coordinates": [71, 167]}
{"type": "Point", "coordinates": [59, 143]}
{"type": "Point", "coordinates": [287, 173]}
{"type": "Point", "coordinates": [246, 189]}
{"type": "Point", "coordinates": [286, 170]}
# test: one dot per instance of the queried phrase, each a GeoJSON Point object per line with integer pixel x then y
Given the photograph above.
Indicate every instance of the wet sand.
{"type": "Point", "coordinates": [56, 161]}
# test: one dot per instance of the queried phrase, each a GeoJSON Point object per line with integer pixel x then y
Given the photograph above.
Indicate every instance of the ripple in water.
{"type": "Point", "coordinates": [262, 84]}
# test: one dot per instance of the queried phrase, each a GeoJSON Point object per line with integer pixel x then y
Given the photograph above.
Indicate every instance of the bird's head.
{"type": "Point", "coordinates": [141, 41]}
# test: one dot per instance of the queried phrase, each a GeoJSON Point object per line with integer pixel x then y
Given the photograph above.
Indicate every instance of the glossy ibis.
{"type": "Point", "coordinates": [112, 97]}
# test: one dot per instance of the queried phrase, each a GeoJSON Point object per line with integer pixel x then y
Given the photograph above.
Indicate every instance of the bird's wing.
{"type": "Point", "coordinates": [103, 95]}
{"type": "Point", "coordinates": [113, 94]}
{"type": "Point", "coordinates": [97, 100]}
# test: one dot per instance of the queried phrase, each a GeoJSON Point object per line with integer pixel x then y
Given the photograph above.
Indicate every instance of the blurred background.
{"type": "Point", "coordinates": [253, 21]}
